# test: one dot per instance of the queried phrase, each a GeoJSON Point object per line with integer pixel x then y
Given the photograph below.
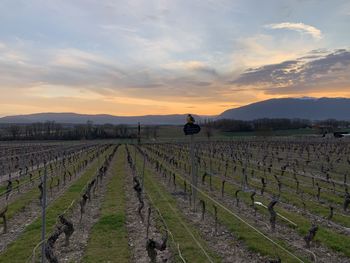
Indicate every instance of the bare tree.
{"type": "Point", "coordinates": [14, 131]}
{"type": "Point", "coordinates": [208, 129]}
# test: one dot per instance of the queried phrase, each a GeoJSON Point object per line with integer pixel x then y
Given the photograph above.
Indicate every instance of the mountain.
{"type": "Point", "coordinates": [303, 108]}
{"type": "Point", "coordinates": [74, 118]}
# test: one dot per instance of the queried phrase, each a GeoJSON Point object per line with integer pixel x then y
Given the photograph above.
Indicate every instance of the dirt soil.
{"type": "Point", "coordinates": [17, 224]}
{"type": "Point", "coordinates": [283, 232]}
{"type": "Point", "coordinates": [79, 239]}
{"type": "Point", "coordinates": [137, 229]}
{"type": "Point", "coordinates": [221, 241]}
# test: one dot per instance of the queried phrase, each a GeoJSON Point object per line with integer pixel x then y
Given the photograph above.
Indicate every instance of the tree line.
{"type": "Point", "coordinates": [51, 130]}
{"type": "Point", "coordinates": [230, 125]}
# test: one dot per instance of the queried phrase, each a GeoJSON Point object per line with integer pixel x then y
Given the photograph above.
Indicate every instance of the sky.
{"type": "Point", "coordinates": [169, 56]}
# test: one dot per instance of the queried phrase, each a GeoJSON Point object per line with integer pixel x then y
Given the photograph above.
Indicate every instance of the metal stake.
{"type": "Point", "coordinates": [193, 172]}
{"type": "Point", "coordinates": [43, 215]}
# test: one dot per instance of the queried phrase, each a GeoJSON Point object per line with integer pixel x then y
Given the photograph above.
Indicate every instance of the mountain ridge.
{"type": "Point", "coordinates": [291, 108]}
{"type": "Point", "coordinates": [77, 118]}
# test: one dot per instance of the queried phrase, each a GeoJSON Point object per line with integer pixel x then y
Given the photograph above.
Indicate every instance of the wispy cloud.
{"type": "Point", "coordinates": [263, 49]}
{"type": "Point", "coordinates": [192, 66]}
{"type": "Point", "coordinates": [321, 73]}
{"type": "Point", "coordinates": [299, 27]}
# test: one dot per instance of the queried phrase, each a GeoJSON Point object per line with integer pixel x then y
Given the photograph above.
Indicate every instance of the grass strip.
{"type": "Point", "coordinates": [108, 240]}
{"type": "Point", "coordinates": [20, 250]}
{"type": "Point", "coordinates": [175, 220]}
{"type": "Point", "coordinates": [336, 241]}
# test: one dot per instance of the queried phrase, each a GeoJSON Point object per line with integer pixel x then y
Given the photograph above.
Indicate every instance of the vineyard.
{"type": "Point", "coordinates": [245, 200]}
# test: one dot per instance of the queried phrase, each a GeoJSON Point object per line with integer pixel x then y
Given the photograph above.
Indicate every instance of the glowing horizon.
{"type": "Point", "coordinates": [130, 58]}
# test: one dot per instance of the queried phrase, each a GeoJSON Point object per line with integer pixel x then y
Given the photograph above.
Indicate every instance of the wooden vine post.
{"type": "Point", "coordinates": [3, 216]}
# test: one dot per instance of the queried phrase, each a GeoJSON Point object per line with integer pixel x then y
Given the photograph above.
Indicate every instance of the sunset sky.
{"type": "Point", "coordinates": [177, 56]}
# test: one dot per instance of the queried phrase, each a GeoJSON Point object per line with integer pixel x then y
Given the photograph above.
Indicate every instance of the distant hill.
{"type": "Point", "coordinates": [304, 108]}
{"type": "Point", "coordinates": [74, 118]}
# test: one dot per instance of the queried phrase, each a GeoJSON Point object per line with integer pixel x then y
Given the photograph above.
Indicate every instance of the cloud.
{"type": "Point", "coordinates": [299, 27]}
{"type": "Point", "coordinates": [193, 66]}
{"type": "Point", "coordinates": [71, 70]}
{"type": "Point", "coordinates": [2, 46]}
{"type": "Point", "coordinates": [263, 49]}
{"type": "Point", "coordinates": [321, 72]}
{"type": "Point", "coordinates": [88, 73]}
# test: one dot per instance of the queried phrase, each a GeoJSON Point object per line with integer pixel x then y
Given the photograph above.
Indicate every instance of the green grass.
{"type": "Point", "coordinates": [20, 250]}
{"type": "Point", "coordinates": [22, 181]}
{"type": "Point", "coordinates": [176, 132]}
{"type": "Point", "coordinates": [19, 204]}
{"type": "Point", "coordinates": [175, 220]}
{"type": "Point", "coordinates": [26, 179]}
{"type": "Point", "coordinates": [289, 196]}
{"type": "Point", "coordinates": [331, 239]}
{"type": "Point", "coordinates": [108, 241]}
{"type": "Point", "coordinates": [253, 240]}
{"type": "Point", "coordinates": [272, 133]}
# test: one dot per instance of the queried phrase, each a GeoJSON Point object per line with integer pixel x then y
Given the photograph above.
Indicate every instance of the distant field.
{"type": "Point", "coordinates": [272, 133]}
{"type": "Point", "coordinates": [177, 132]}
